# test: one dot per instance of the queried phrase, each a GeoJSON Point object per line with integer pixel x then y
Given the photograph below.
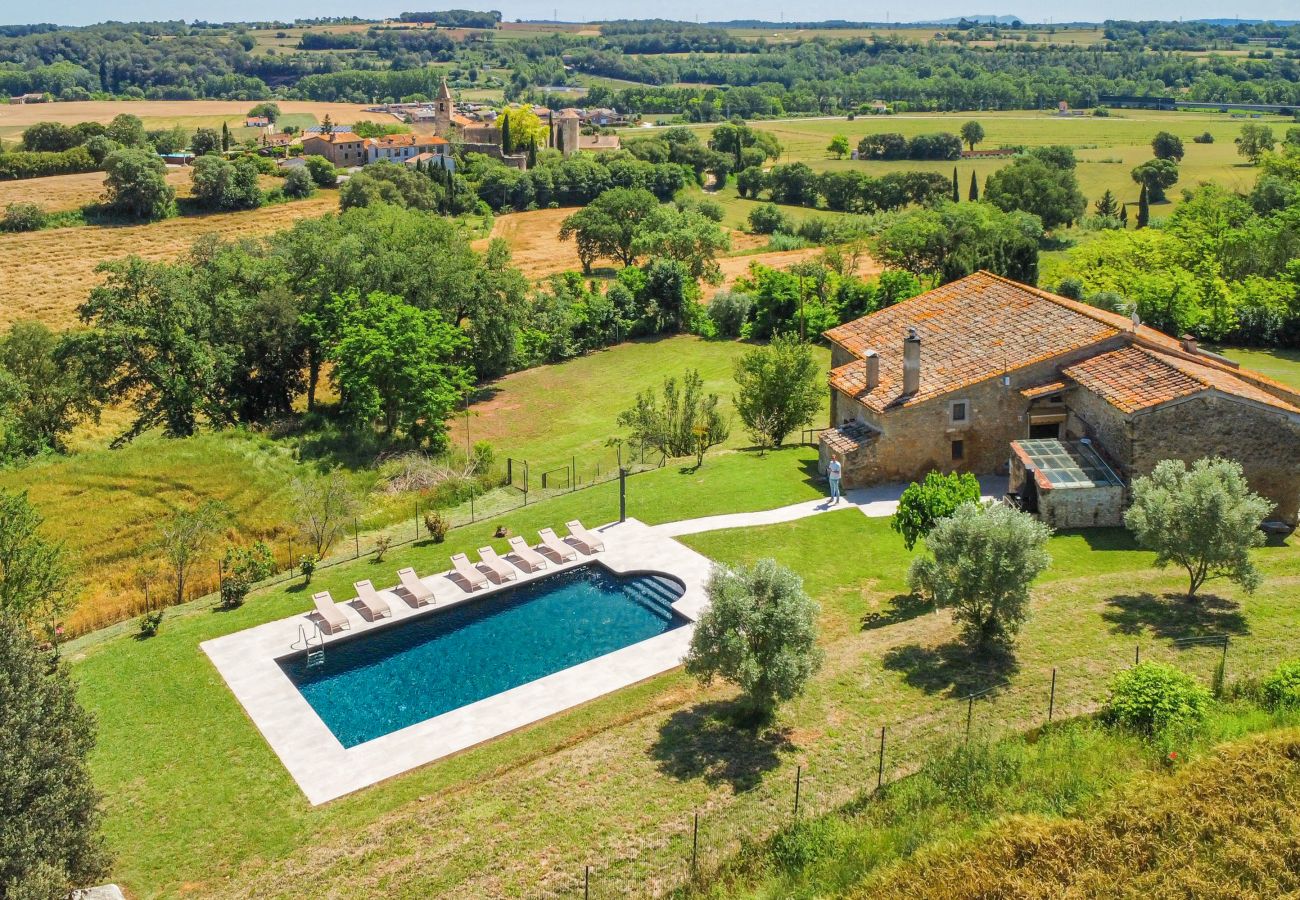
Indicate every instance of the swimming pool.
{"type": "Point", "coordinates": [393, 677]}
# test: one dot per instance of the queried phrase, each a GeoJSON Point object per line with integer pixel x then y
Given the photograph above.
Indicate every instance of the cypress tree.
{"type": "Point", "coordinates": [559, 139]}
{"type": "Point", "coordinates": [505, 133]}
{"type": "Point", "coordinates": [974, 187]}
{"type": "Point", "coordinates": [956, 193]}
{"type": "Point", "coordinates": [1144, 209]}
{"type": "Point", "coordinates": [225, 137]}
{"type": "Point", "coordinates": [532, 153]}
{"type": "Point", "coordinates": [1123, 215]}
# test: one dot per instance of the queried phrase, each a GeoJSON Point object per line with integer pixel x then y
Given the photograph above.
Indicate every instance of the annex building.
{"type": "Point", "coordinates": [987, 375]}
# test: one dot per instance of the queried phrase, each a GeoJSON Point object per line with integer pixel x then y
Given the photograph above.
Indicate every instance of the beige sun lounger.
{"type": "Point", "coordinates": [376, 607]}
{"type": "Point", "coordinates": [473, 578]}
{"type": "Point", "coordinates": [586, 541]}
{"type": "Point", "coordinates": [525, 556]}
{"type": "Point", "coordinates": [329, 613]}
{"type": "Point", "coordinates": [420, 593]}
{"type": "Point", "coordinates": [557, 549]}
{"type": "Point", "coordinates": [499, 571]}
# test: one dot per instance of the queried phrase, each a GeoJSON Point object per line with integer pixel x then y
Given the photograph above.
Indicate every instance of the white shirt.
{"type": "Point", "coordinates": [833, 470]}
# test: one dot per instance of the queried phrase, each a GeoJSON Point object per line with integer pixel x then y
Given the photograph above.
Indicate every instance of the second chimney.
{"type": "Point", "coordinates": [872, 359]}
{"type": "Point", "coordinates": [1189, 344]}
{"type": "Point", "coordinates": [911, 362]}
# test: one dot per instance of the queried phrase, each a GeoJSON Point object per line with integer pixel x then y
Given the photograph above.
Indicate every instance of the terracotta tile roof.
{"type": "Point", "coordinates": [1043, 390]}
{"type": "Point", "coordinates": [335, 137]}
{"type": "Point", "coordinates": [848, 438]}
{"type": "Point", "coordinates": [971, 330]}
{"type": "Point", "coordinates": [1136, 378]}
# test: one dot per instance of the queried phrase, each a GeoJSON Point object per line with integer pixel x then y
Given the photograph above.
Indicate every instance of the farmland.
{"type": "Point", "coordinates": [50, 272]}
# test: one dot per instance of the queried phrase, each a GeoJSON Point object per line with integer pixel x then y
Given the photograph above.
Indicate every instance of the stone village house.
{"type": "Point", "coordinates": [988, 376]}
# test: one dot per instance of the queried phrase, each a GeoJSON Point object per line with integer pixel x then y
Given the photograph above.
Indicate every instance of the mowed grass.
{"type": "Point", "coordinates": [198, 804]}
{"type": "Point", "coordinates": [48, 274]}
{"type": "Point", "coordinates": [551, 414]}
{"type": "Point", "coordinates": [1107, 148]}
{"type": "Point", "coordinates": [1279, 363]}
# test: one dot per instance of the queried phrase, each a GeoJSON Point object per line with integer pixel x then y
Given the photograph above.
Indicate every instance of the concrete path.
{"type": "Point", "coordinates": [877, 501]}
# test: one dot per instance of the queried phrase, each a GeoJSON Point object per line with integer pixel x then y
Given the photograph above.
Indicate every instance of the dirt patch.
{"type": "Point", "coordinates": [733, 267]}
{"type": "Point", "coordinates": [22, 115]}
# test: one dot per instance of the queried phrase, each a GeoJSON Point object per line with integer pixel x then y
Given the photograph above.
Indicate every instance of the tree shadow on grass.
{"type": "Point", "coordinates": [704, 741]}
{"type": "Point", "coordinates": [1174, 616]}
{"type": "Point", "coordinates": [902, 607]}
{"type": "Point", "coordinates": [953, 667]}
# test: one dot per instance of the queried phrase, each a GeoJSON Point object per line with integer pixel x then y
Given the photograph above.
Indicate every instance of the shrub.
{"type": "Point", "coordinates": [23, 217]}
{"type": "Point", "coordinates": [1154, 698]}
{"type": "Point", "coordinates": [804, 844]}
{"type": "Point", "coordinates": [783, 241]}
{"type": "Point", "coordinates": [729, 311]}
{"type": "Point", "coordinates": [483, 458]}
{"type": "Point", "coordinates": [22, 164]}
{"type": "Point", "coordinates": [150, 622]}
{"type": "Point", "coordinates": [322, 171]}
{"type": "Point", "coordinates": [923, 504]}
{"type": "Point", "coordinates": [437, 525]}
{"type": "Point", "coordinates": [1281, 689]}
{"type": "Point", "coordinates": [299, 184]}
{"type": "Point", "coordinates": [307, 566]}
{"type": "Point", "coordinates": [768, 218]}
{"type": "Point", "coordinates": [382, 543]}
{"type": "Point", "coordinates": [1203, 138]}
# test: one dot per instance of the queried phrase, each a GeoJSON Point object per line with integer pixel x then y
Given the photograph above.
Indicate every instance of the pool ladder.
{"type": "Point", "coordinates": [315, 650]}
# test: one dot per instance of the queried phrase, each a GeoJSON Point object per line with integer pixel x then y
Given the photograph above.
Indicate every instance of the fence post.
{"type": "Point", "coordinates": [970, 709]}
{"type": "Point", "coordinates": [510, 470]}
{"type": "Point", "coordinates": [356, 536]}
{"type": "Point", "coordinates": [573, 473]}
{"type": "Point", "coordinates": [880, 771]}
{"type": "Point", "coordinates": [290, 554]}
{"type": "Point", "coordinates": [695, 844]}
{"type": "Point", "coordinates": [1051, 700]}
{"type": "Point", "coordinates": [417, 520]}
{"type": "Point", "coordinates": [471, 502]}
{"type": "Point", "coordinates": [586, 883]}
{"type": "Point", "coordinates": [798, 780]}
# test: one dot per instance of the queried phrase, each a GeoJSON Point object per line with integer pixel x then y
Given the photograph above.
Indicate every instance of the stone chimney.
{"type": "Point", "coordinates": [872, 359]}
{"type": "Point", "coordinates": [911, 362]}
{"type": "Point", "coordinates": [1189, 344]}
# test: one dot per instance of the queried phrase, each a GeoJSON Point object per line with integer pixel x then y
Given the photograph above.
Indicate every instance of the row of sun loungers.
{"type": "Point", "coordinates": [470, 576]}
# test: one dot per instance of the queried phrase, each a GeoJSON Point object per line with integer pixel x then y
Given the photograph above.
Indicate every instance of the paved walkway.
{"type": "Point", "coordinates": [875, 502]}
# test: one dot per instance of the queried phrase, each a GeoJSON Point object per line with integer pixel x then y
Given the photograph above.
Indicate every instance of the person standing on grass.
{"type": "Point", "coordinates": [833, 473]}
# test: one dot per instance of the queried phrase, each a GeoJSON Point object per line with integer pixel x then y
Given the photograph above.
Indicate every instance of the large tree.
{"type": "Point", "coordinates": [952, 240]}
{"type": "Point", "coordinates": [221, 184]}
{"type": "Point", "coordinates": [972, 133]}
{"type": "Point", "coordinates": [1167, 146]}
{"type": "Point", "coordinates": [1204, 519]}
{"type": "Point", "coordinates": [184, 536]}
{"type": "Point", "coordinates": [1156, 175]}
{"type": "Point", "coordinates": [396, 366]}
{"type": "Point", "coordinates": [981, 563]}
{"type": "Point", "coordinates": [1254, 141]}
{"type": "Point", "coordinates": [48, 396]}
{"type": "Point", "coordinates": [49, 809]}
{"type": "Point", "coordinates": [136, 185]}
{"type": "Point", "coordinates": [608, 226]}
{"type": "Point", "coordinates": [1032, 185]}
{"type": "Point", "coordinates": [684, 235]}
{"type": "Point", "coordinates": [759, 632]}
{"type": "Point", "coordinates": [779, 388]}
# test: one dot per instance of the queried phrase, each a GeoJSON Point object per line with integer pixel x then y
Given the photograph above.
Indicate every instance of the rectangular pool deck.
{"type": "Point", "coordinates": [325, 770]}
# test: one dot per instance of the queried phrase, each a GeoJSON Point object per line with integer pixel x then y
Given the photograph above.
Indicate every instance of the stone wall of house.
{"type": "Point", "coordinates": [1107, 427]}
{"type": "Point", "coordinates": [1082, 507]}
{"type": "Point", "coordinates": [1264, 442]}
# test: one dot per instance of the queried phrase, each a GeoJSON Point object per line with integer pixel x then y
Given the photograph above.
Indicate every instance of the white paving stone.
{"type": "Point", "coordinates": [324, 769]}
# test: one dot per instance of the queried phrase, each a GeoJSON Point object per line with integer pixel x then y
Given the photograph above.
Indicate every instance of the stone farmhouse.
{"type": "Point", "coordinates": [990, 376]}
{"type": "Point", "coordinates": [347, 149]}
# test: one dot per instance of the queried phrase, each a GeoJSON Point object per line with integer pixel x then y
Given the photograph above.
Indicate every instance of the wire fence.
{"type": "Point", "coordinates": [693, 849]}
{"type": "Point", "coordinates": [520, 486]}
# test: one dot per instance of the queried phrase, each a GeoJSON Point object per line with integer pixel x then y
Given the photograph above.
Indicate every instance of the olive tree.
{"type": "Point", "coordinates": [325, 504]}
{"type": "Point", "coordinates": [780, 389]}
{"type": "Point", "coordinates": [981, 562]}
{"type": "Point", "coordinates": [184, 537]}
{"type": "Point", "coordinates": [49, 810]}
{"type": "Point", "coordinates": [1204, 519]}
{"type": "Point", "coordinates": [759, 632]}
{"type": "Point", "coordinates": [682, 421]}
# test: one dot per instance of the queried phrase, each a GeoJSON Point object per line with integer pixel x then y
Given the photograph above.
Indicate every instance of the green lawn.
{"type": "Point", "coordinates": [550, 414]}
{"type": "Point", "coordinates": [1280, 364]}
{"type": "Point", "coordinates": [197, 803]}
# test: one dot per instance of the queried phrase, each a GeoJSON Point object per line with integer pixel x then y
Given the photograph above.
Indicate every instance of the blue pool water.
{"type": "Point", "coordinates": [388, 679]}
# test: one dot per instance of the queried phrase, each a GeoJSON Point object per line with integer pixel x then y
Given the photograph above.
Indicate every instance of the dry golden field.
{"type": "Point", "coordinates": [536, 248]}
{"type": "Point", "coordinates": [48, 273]}
{"type": "Point", "coordinates": [58, 193]}
{"type": "Point", "coordinates": [163, 113]}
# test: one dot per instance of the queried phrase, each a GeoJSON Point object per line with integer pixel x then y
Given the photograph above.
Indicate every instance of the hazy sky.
{"type": "Point", "coordinates": [83, 12]}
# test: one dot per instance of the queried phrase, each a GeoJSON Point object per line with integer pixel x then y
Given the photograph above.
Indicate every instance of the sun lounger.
{"type": "Point", "coordinates": [554, 547]}
{"type": "Point", "coordinates": [417, 591]}
{"type": "Point", "coordinates": [473, 578]}
{"type": "Point", "coordinates": [525, 557]}
{"type": "Point", "coordinates": [329, 613]}
{"type": "Point", "coordinates": [587, 542]}
{"type": "Point", "coordinates": [497, 568]}
{"type": "Point", "coordinates": [376, 607]}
